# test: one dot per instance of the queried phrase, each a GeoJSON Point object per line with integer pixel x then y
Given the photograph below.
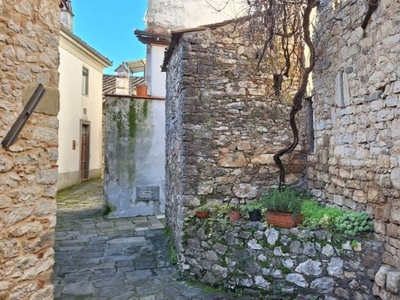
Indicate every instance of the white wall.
{"type": "Point", "coordinates": [178, 14]}
{"type": "Point", "coordinates": [69, 130]}
{"type": "Point", "coordinates": [134, 159]}
{"type": "Point", "coordinates": [72, 105]}
{"type": "Point", "coordinates": [155, 79]}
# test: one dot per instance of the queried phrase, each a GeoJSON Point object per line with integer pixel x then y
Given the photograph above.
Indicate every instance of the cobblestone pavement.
{"type": "Point", "coordinates": [119, 259]}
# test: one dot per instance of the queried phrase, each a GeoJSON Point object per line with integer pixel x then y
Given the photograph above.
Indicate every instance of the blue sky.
{"type": "Point", "coordinates": [108, 27]}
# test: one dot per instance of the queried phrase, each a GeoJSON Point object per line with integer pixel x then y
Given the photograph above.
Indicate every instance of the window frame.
{"type": "Point", "coordinates": [85, 81]}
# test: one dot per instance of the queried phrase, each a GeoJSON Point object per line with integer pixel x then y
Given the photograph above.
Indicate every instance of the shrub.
{"type": "Point", "coordinates": [204, 207]}
{"type": "Point", "coordinates": [285, 201]}
{"type": "Point", "coordinates": [252, 206]}
{"type": "Point", "coordinates": [316, 216]}
{"type": "Point", "coordinates": [354, 222]}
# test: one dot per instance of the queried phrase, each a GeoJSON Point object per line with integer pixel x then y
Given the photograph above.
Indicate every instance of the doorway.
{"type": "Point", "coordinates": [85, 142]}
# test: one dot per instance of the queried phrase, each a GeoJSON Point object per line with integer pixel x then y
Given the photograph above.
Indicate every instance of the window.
{"type": "Point", "coordinates": [85, 81]}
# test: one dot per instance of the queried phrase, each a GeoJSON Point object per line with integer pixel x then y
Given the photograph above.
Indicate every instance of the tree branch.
{"type": "Point", "coordinates": [298, 97]}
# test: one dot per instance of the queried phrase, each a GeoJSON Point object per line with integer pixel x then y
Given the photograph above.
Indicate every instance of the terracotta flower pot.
{"type": "Point", "coordinates": [234, 215]}
{"type": "Point", "coordinates": [283, 220]}
{"type": "Point", "coordinates": [141, 90]}
{"type": "Point", "coordinates": [202, 214]}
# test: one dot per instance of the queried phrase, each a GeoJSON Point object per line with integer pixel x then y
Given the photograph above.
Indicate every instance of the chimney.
{"type": "Point", "coordinates": [66, 15]}
{"type": "Point", "coordinates": [122, 80]}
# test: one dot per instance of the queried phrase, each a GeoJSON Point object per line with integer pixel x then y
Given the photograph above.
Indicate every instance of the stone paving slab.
{"type": "Point", "coordinates": [113, 259]}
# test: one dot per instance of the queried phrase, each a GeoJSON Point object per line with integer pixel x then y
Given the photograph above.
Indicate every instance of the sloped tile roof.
{"type": "Point", "coordinates": [110, 81]}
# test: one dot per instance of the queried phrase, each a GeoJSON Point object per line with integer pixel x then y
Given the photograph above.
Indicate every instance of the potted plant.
{"type": "Point", "coordinates": [283, 207]}
{"type": "Point", "coordinates": [254, 210]}
{"type": "Point", "coordinates": [233, 212]}
{"type": "Point", "coordinates": [203, 211]}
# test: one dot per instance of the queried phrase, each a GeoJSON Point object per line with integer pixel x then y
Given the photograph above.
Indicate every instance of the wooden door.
{"type": "Point", "coordinates": [85, 152]}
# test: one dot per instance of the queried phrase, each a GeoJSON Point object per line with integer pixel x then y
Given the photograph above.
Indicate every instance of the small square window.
{"type": "Point", "coordinates": [85, 81]}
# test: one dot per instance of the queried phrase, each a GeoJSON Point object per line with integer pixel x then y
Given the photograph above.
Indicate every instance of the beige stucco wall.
{"type": "Point", "coordinates": [177, 14]}
{"type": "Point", "coordinates": [29, 37]}
{"type": "Point", "coordinates": [72, 59]}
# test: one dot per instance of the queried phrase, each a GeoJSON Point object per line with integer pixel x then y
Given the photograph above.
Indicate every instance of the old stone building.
{"type": "Point", "coordinates": [222, 131]}
{"type": "Point", "coordinates": [223, 122]}
{"type": "Point", "coordinates": [356, 163]}
{"type": "Point", "coordinates": [29, 38]}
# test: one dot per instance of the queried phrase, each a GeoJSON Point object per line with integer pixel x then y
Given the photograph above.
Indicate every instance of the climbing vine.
{"type": "Point", "coordinates": [132, 117]}
{"type": "Point", "coordinates": [284, 27]}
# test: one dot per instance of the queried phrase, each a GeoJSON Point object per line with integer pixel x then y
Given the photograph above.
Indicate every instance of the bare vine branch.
{"type": "Point", "coordinates": [284, 26]}
{"type": "Point", "coordinates": [299, 96]}
{"type": "Point", "coordinates": [280, 30]}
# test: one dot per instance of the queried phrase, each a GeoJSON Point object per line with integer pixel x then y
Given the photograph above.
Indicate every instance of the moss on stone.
{"type": "Point", "coordinates": [145, 108]}
{"type": "Point", "coordinates": [132, 119]}
{"type": "Point", "coordinates": [285, 248]}
{"type": "Point", "coordinates": [117, 118]}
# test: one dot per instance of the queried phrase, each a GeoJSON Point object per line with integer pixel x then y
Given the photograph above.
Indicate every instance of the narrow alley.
{"type": "Point", "coordinates": [119, 259]}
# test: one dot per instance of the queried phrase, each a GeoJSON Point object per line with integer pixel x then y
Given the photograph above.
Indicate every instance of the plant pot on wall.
{"type": "Point", "coordinates": [255, 215]}
{"type": "Point", "coordinates": [234, 215]}
{"type": "Point", "coordinates": [284, 220]}
{"type": "Point", "coordinates": [202, 214]}
{"type": "Point", "coordinates": [141, 90]}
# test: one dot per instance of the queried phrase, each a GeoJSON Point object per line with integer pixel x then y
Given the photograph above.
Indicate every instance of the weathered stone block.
{"type": "Point", "coordinates": [5, 201]}
{"type": "Point", "coordinates": [310, 267]}
{"type": "Point", "coordinates": [245, 191]}
{"type": "Point", "coordinates": [335, 267]}
{"type": "Point", "coordinates": [17, 214]}
{"type": "Point", "coordinates": [392, 281]}
{"type": "Point", "coordinates": [297, 279]}
{"type": "Point", "coordinates": [49, 176]}
{"type": "Point", "coordinates": [263, 159]}
{"type": "Point", "coordinates": [31, 229]}
{"type": "Point", "coordinates": [233, 160]}
{"type": "Point", "coordinates": [323, 285]}
{"type": "Point", "coordinates": [50, 102]}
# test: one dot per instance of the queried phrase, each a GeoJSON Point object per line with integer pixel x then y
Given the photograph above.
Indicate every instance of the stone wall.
{"type": "Point", "coordinates": [29, 37]}
{"type": "Point", "coordinates": [134, 176]}
{"type": "Point", "coordinates": [356, 115]}
{"type": "Point", "coordinates": [274, 263]}
{"type": "Point", "coordinates": [223, 124]}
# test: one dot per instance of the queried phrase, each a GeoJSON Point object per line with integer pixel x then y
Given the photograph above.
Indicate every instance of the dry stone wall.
{"type": "Point", "coordinates": [278, 263]}
{"type": "Point", "coordinates": [29, 37]}
{"type": "Point", "coordinates": [356, 120]}
{"type": "Point", "coordinates": [222, 124]}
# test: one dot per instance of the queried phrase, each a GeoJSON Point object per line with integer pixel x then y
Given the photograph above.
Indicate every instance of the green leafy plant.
{"type": "Point", "coordinates": [285, 201]}
{"type": "Point", "coordinates": [204, 207]}
{"type": "Point", "coordinates": [316, 216]}
{"type": "Point", "coordinates": [217, 210]}
{"type": "Point", "coordinates": [354, 222]}
{"type": "Point", "coordinates": [172, 255]}
{"type": "Point", "coordinates": [251, 206]}
{"type": "Point", "coordinates": [233, 207]}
